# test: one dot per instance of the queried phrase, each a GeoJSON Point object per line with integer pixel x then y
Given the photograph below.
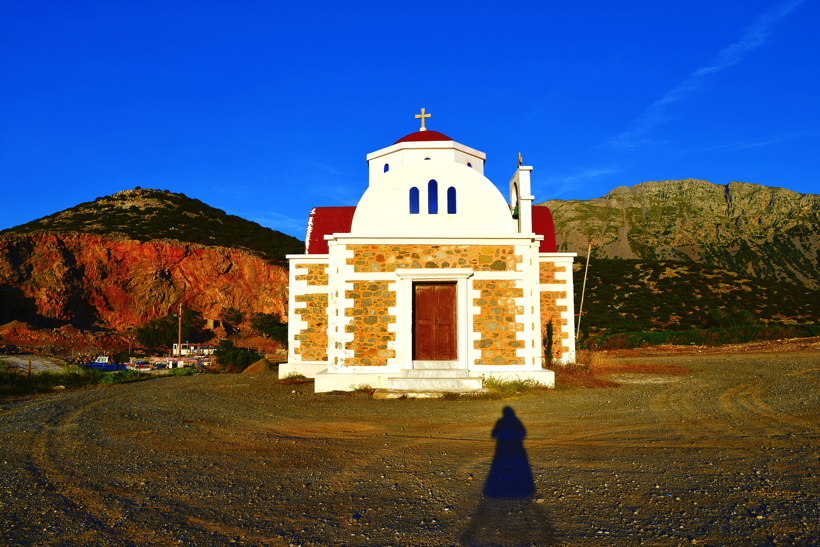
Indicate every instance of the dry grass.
{"type": "Point", "coordinates": [592, 365]}
{"type": "Point", "coordinates": [575, 376]}
{"type": "Point", "coordinates": [262, 365]}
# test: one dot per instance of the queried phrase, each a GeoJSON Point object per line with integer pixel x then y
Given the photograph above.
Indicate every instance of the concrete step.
{"type": "Point", "coordinates": [434, 384]}
{"type": "Point", "coordinates": [435, 373]}
{"type": "Point", "coordinates": [435, 364]}
{"type": "Point", "coordinates": [384, 393]}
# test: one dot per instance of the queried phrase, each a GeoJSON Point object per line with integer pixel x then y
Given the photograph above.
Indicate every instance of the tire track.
{"type": "Point", "coordinates": [106, 508]}
{"type": "Point", "coordinates": [86, 497]}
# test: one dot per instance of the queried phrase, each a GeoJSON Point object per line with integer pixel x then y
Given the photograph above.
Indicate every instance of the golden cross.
{"type": "Point", "coordinates": [520, 159]}
{"type": "Point", "coordinates": [422, 116]}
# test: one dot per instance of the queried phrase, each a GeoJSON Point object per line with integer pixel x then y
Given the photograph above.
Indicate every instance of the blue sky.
{"type": "Point", "coordinates": [266, 109]}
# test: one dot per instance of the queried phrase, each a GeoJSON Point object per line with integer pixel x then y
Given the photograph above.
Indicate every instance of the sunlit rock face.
{"type": "Point", "coordinates": [116, 282]}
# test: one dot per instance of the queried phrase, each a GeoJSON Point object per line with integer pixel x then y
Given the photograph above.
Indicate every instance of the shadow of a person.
{"type": "Point", "coordinates": [510, 474]}
{"type": "Point", "coordinates": [507, 515]}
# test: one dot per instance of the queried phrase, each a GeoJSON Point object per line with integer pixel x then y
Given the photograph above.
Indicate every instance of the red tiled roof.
{"type": "Point", "coordinates": [325, 221]}
{"type": "Point", "coordinates": [421, 136]}
{"type": "Point", "coordinates": [542, 225]}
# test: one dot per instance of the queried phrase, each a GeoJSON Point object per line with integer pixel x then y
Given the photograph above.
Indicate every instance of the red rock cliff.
{"type": "Point", "coordinates": [119, 282]}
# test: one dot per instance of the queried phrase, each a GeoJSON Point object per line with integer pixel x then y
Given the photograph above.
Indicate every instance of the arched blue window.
{"type": "Point", "coordinates": [414, 201]}
{"type": "Point", "coordinates": [386, 167]}
{"type": "Point", "coordinates": [427, 158]}
{"type": "Point", "coordinates": [432, 197]}
{"type": "Point", "coordinates": [451, 200]}
{"type": "Point", "coordinates": [469, 164]}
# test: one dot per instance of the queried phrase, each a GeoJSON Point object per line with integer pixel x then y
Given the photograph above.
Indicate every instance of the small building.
{"type": "Point", "coordinates": [194, 350]}
{"type": "Point", "coordinates": [433, 281]}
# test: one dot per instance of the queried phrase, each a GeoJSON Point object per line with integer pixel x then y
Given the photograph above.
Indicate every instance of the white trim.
{"type": "Point", "coordinates": [563, 283]}
{"type": "Point", "coordinates": [404, 301]}
{"type": "Point", "coordinates": [427, 145]}
{"type": "Point", "coordinates": [308, 369]}
{"type": "Point", "coordinates": [490, 274]}
{"type": "Point", "coordinates": [451, 239]}
{"type": "Point", "coordinates": [310, 258]}
{"type": "Point", "coordinates": [435, 274]}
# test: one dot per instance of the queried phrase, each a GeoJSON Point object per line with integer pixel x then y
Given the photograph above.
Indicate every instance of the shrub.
{"type": "Point", "coordinates": [295, 376]}
{"type": "Point", "coordinates": [269, 326]}
{"type": "Point", "coordinates": [235, 358]}
{"type": "Point", "coordinates": [512, 386]}
{"type": "Point", "coordinates": [184, 371]}
{"type": "Point", "coordinates": [121, 377]}
{"type": "Point", "coordinates": [15, 382]}
{"type": "Point", "coordinates": [700, 337]}
{"type": "Point", "coordinates": [232, 316]}
{"type": "Point", "coordinates": [163, 332]}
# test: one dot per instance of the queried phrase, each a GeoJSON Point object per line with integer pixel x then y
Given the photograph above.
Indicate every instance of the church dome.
{"type": "Point", "coordinates": [424, 136]}
{"type": "Point", "coordinates": [436, 198]}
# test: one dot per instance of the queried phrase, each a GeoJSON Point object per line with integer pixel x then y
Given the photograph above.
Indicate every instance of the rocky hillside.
{"type": "Point", "coordinates": [117, 282]}
{"type": "Point", "coordinates": [646, 295]}
{"type": "Point", "coordinates": [756, 231]}
{"type": "Point", "coordinates": [124, 259]}
{"type": "Point", "coordinates": [144, 215]}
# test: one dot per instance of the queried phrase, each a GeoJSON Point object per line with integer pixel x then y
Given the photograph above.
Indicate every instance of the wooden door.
{"type": "Point", "coordinates": [434, 322]}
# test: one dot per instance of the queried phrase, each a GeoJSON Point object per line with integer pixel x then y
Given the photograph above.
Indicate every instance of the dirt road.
{"type": "Point", "coordinates": [725, 455]}
{"type": "Point", "coordinates": [39, 363]}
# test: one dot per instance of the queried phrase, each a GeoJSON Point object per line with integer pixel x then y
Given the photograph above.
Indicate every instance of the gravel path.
{"type": "Point", "coordinates": [39, 363]}
{"type": "Point", "coordinates": [726, 455]}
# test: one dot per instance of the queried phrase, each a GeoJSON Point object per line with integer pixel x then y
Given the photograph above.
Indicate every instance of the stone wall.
{"type": "Point", "coordinates": [389, 258]}
{"type": "Point", "coordinates": [369, 324]}
{"type": "Point", "coordinates": [497, 322]}
{"type": "Point", "coordinates": [312, 340]}
{"type": "Point", "coordinates": [547, 271]}
{"type": "Point", "coordinates": [551, 313]}
{"type": "Point", "coordinates": [316, 276]}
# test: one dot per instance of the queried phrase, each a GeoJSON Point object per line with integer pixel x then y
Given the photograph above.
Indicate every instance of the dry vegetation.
{"type": "Point", "coordinates": [592, 367]}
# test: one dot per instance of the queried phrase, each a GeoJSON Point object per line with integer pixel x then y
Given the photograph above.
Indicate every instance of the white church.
{"type": "Point", "coordinates": [433, 282]}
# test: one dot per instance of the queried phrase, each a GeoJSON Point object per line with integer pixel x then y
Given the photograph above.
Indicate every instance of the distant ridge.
{"type": "Point", "coordinates": [756, 231]}
{"type": "Point", "coordinates": [146, 214]}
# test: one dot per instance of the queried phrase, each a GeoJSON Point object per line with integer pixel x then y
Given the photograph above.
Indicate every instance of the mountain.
{"type": "Point", "coordinates": [753, 230]}
{"type": "Point", "coordinates": [124, 259]}
{"type": "Point", "coordinates": [145, 214]}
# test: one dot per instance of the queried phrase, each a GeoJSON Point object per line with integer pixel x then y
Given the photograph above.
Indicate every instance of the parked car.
{"type": "Point", "coordinates": [139, 364]}
{"type": "Point", "coordinates": [102, 364]}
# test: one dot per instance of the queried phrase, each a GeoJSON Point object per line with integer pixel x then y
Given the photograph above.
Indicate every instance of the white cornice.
{"type": "Point", "coordinates": [427, 145]}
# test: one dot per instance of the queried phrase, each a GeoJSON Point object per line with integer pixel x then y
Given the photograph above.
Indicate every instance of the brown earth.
{"type": "Point", "coordinates": [261, 366]}
{"type": "Point", "coordinates": [767, 346]}
{"type": "Point", "coordinates": [725, 454]}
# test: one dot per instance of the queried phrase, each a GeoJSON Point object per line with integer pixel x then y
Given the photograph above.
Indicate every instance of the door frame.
{"type": "Point", "coordinates": [404, 335]}
{"type": "Point", "coordinates": [454, 311]}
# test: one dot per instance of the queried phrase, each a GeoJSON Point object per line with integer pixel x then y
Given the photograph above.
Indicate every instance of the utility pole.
{"type": "Point", "coordinates": [583, 290]}
{"type": "Point", "coordinates": [179, 336]}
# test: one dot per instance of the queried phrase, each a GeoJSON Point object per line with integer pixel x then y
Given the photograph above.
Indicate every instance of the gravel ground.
{"type": "Point", "coordinates": [39, 363]}
{"type": "Point", "coordinates": [724, 455]}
